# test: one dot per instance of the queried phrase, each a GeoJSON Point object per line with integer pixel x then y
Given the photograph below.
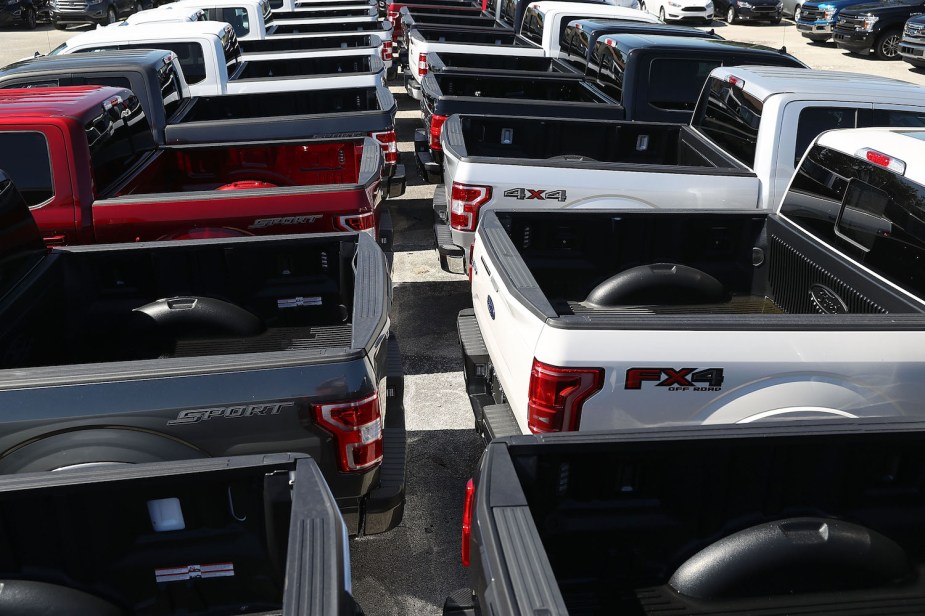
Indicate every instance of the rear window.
{"type": "Point", "coordinates": [675, 83]}
{"type": "Point", "coordinates": [814, 121]}
{"type": "Point", "coordinates": [118, 137]}
{"type": "Point", "coordinates": [168, 80]}
{"type": "Point", "coordinates": [190, 55]}
{"type": "Point", "coordinates": [730, 117]}
{"type": "Point", "coordinates": [37, 83]}
{"type": "Point", "coordinates": [532, 28]}
{"type": "Point", "coordinates": [865, 210]}
{"type": "Point", "coordinates": [610, 72]}
{"type": "Point", "coordinates": [575, 45]}
{"type": "Point", "coordinates": [26, 159]}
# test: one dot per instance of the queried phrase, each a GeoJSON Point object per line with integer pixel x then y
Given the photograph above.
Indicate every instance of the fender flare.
{"type": "Point", "coordinates": [94, 445]}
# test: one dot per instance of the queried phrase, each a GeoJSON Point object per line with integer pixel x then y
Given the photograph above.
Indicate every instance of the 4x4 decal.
{"type": "Point", "coordinates": [676, 379]}
{"type": "Point", "coordinates": [524, 194]}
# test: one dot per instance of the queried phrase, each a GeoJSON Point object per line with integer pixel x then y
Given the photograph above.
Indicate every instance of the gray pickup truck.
{"type": "Point", "coordinates": [205, 348]}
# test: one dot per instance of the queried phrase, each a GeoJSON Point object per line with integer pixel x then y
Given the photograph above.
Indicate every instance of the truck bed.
{"type": "Point", "coordinates": [481, 64]}
{"type": "Point", "coordinates": [283, 116]}
{"type": "Point", "coordinates": [472, 36]}
{"type": "Point", "coordinates": [751, 255]}
{"type": "Point", "coordinates": [706, 520]}
{"type": "Point", "coordinates": [279, 44]}
{"type": "Point", "coordinates": [281, 30]}
{"type": "Point", "coordinates": [307, 67]}
{"type": "Point", "coordinates": [184, 299]}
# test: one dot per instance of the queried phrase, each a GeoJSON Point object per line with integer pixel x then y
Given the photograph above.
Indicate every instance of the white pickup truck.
{"type": "Point", "coordinates": [211, 60]}
{"type": "Point", "coordinates": [616, 319]}
{"type": "Point", "coordinates": [547, 22]}
{"type": "Point", "coordinates": [750, 128]}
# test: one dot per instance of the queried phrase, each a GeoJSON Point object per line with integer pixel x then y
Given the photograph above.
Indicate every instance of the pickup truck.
{"type": "Point", "coordinates": [875, 27]}
{"type": "Point", "coordinates": [659, 78]}
{"type": "Point", "coordinates": [543, 27]}
{"type": "Point", "coordinates": [155, 78]}
{"type": "Point", "coordinates": [86, 163]}
{"type": "Point", "coordinates": [912, 45]}
{"type": "Point", "coordinates": [207, 348]}
{"type": "Point", "coordinates": [234, 535]}
{"type": "Point", "coordinates": [779, 518]}
{"type": "Point", "coordinates": [815, 19]}
{"type": "Point", "coordinates": [210, 57]}
{"type": "Point", "coordinates": [752, 126]}
{"type": "Point", "coordinates": [619, 318]}
{"type": "Point", "coordinates": [526, 95]}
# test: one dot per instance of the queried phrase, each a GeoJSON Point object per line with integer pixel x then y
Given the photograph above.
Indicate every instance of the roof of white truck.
{"type": "Point", "coordinates": [170, 12]}
{"type": "Point", "coordinates": [209, 3]}
{"type": "Point", "coordinates": [596, 10]}
{"type": "Point", "coordinates": [763, 81]}
{"type": "Point", "coordinates": [903, 144]}
{"type": "Point", "coordinates": [149, 31]}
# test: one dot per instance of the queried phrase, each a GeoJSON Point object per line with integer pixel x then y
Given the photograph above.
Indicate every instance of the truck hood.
{"type": "Point", "coordinates": [882, 8]}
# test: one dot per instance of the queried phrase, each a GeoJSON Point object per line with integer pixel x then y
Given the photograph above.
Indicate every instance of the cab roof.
{"type": "Point", "coordinates": [629, 41]}
{"type": "Point", "coordinates": [763, 81]}
{"type": "Point", "coordinates": [79, 102]}
{"type": "Point", "coordinates": [905, 144]}
{"type": "Point", "coordinates": [595, 10]}
{"type": "Point", "coordinates": [148, 31]}
{"type": "Point", "coordinates": [129, 58]}
{"type": "Point", "coordinates": [594, 25]}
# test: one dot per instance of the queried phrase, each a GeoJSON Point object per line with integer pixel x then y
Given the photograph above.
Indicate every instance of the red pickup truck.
{"type": "Point", "coordinates": [91, 173]}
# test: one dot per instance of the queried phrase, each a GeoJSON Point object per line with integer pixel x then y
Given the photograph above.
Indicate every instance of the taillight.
{"type": "Point", "coordinates": [467, 521]}
{"type": "Point", "coordinates": [436, 125]}
{"type": "Point", "coordinates": [389, 144]}
{"type": "Point", "coordinates": [357, 427]}
{"type": "Point", "coordinates": [386, 50]}
{"type": "Point", "coordinates": [357, 222]}
{"type": "Point", "coordinates": [422, 64]}
{"type": "Point", "coordinates": [879, 158]}
{"type": "Point", "coordinates": [555, 396]}
{"type": "Point", "coordinates": [465, 201]}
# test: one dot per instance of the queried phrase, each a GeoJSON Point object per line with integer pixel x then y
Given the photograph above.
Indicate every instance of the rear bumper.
{"type": "Point", "coordinates": [492, 420]}
{"type": "Point", "coordinates": [397, 183]}
{"type": "Point", "coordinates": [452, 256]}
{"type": "Point", "coordinates": [385, 505]}
{"type": "Point", "coordinates": [412, 87]}
{"type": "Point", "coordinates": [430, 169]}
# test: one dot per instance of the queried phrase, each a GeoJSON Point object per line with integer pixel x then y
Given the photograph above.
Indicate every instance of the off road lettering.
{"type": "Point", "coordinates": [676, 379]}
{"type": "Point", "coordinates": [263, 223]}
{"type": "Point", "coordinates": [525, 194]}
{"type": "Point", "coordinates": [224, 412]}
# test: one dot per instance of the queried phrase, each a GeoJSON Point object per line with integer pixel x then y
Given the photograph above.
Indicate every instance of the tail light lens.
{"type": "Point", "coordinates": [422, 64]}
{"type": "Point", "coordinates": [389, 144]}
{"type": "Point", "coordinates": [357, 428]}
{"type": "Point", "coordinates": [465, 202]}
{"type": "Point", "coordinates": [436, 126]}
{"type": "Point", "coordinates": [555, 396]}
{"type": "Point", "coordinates": [357, 222]}
{"type": "Point", "coordinates": [386, 50]}
{"type": "Point", "coordinates": [467, 521]}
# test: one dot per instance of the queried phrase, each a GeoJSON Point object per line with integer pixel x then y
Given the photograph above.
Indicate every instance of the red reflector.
{"type": "Point", "coordinates": [357, 428]}
{"type": "Point", "coordinates": [555, 396]}
{"type": "Point", "coordinates": [468, 508]}
{"type": "Point", "coordinates": [436, 126]}
{"type": "Point", "coordinates": [471, 252]}
{"type": "Point", "coordinates": [388, 141]}
{"type": "Point", "coordinates": [357, 222]}
{"type": "Point", "coordinates": [465, 202]}
{"type": "Point", "coordinates": [422, 64]}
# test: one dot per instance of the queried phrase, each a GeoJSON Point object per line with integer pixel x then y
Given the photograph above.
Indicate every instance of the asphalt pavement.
{"type": "Point", "coordinates": [412, 568]}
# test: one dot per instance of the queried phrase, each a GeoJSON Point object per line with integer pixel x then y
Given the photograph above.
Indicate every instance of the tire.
{"type": "Point", "coordinates": [111, 17]}
{"type": "Point", "coordinates": [887, 45]}
{"type": "Point", "coordinates": [731, 15]}
{"type": "Point", "coordinates": [138, 7]}
{"type": "Point", "coordinates": [58, 25]}
{"type": "Point", "coordinates": [661, 13]}
{"type": "Point", "coordinates": [642, 6]}
{"type": "Point", "coordinates": [28, 20]}
{"type": "Point", "coordinates": [797, 11]}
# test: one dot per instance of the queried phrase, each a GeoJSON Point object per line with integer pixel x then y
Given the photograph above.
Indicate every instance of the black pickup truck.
{"type": "Point", "coordinates": [238, 535]}
{"type": "Point", "coordinates": [177, 119]}
{"type": "Point", "coordinates": [657, 78]}
{"type": "Point", "coordinates": [206, 348]}
{"type": "Point", "coordinates": [785, 518]}
{"type": "Point", "coordinates": [875, 27]}
{"type": "Point", "coordinates": [526, 96]}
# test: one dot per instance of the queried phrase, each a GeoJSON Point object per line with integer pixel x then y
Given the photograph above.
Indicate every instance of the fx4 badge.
{"type": "Point", "coordinates": [525, 194]}
{"type": "Point", "coordinates": [676, 379]}
{"type": "Point", "coordinates": [224, 412]}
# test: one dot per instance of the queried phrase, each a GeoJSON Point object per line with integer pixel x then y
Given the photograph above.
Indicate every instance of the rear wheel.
{"type": "Point", "coordinates": [887, 46]}
{"type": "Point", "coordinates": [28, 19]}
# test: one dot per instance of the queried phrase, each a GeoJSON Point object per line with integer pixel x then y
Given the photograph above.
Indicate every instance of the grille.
{"type": "Point", "coordinates": [849, 24]}
{"type": "Point", "coordinates": [765, 9]}
{"type": "Point", "coordinates": [792, 274]}
{"type": "Point", "coordinates": [914, 31]}
{"type": "Point", "coordinates": [72, 5]}
{"type": "Point", "coordinates": [694, 9]}
{"type": "Point", "coordinates": [811, 14]}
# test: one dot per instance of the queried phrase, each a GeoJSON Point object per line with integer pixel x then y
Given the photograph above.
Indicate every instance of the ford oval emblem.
{"type": "Point", "coordinates": [491, 308]}
{"type": "Point", "coordinates": [827, 300]}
